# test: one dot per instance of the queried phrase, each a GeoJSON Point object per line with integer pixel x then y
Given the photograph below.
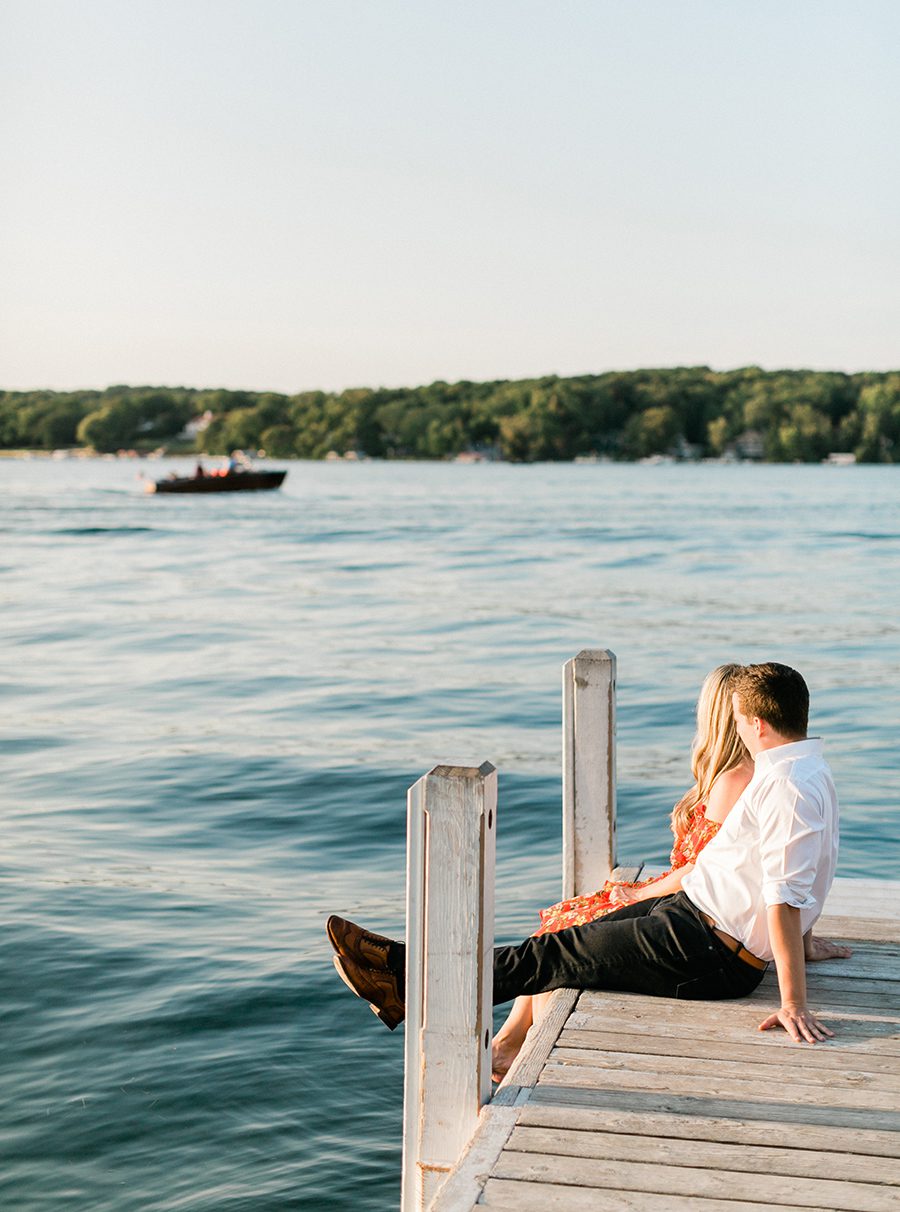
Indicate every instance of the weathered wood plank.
{"type": "Point", "coordinates": [746, 1010]}
{"type": "Point", "coordinates": [863, 967]}
{"type": "Point", "coordinates": [589, 770]}
{"type": "Point", "coordinates": [701, 1082]}
{"type": "Point", "coordinates": [853, 1038]}
{"type": "Point", "coordinates": [825, 1001]}
{"type": "Point", "coordinates": [627, 873]}
{"type": "Point", "coordinates": [865, 993]}
{"type": "Point", "coordinates": [867, 1056]}
{"type": "Point", "coordinates": [709, 1155]}
{"type": "Point", "coordinates": [711, 1184]}
{"type": "Point", "coordinates": [509, 1195]}
{"type": "Point", "coordinates": [462, 1187]}
{"type": "Point", "coordinates": [849, 928]}
{"type": "Point", "coordinates": [542, 1037]}
{"type": "Point", "coordinates": [848, 1077]}
{"type": "Point", "coordinates": [767, 1133]}
{"type": "Point", "coordinates": [843, 982]}
{"type": "Point", "coordinates": [615, 1097]}
{"type": "Point", "coordinates": [866, 898]}
{"type": "Point", "coordinates": [451, 825]}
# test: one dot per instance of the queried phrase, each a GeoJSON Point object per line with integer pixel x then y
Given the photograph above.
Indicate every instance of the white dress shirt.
{"type": "Point", "coordinates": [777, 846]}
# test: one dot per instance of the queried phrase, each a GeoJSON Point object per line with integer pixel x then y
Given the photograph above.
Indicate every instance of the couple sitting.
{"type": "Point", "coordinates": [756, 842]}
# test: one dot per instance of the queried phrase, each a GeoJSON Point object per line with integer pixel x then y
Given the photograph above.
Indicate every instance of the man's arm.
{"type": "Point", "coordinates": [790, 963]}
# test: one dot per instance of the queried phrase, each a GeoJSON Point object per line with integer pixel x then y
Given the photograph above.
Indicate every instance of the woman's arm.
{"type": "Point", "coordinates": [627, 894]}
{"type": "Point", "coordinates": [723, 795]}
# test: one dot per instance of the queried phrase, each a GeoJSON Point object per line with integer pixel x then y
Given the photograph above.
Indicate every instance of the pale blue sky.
{"type": "Point", "coordinates": [290, 194]}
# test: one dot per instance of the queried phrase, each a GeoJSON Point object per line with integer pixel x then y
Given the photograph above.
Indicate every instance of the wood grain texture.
{"type": "Point", "coordinates": [450, 927]}
{"type": "Point", "coordinates": [618, 1175]}
{"type": "Point", "coordinates": [528, 1065]}
{"type": "Point", "coordinates": [602, 1118]}
{"type": "Point", "coordinates": [869, 1056]}
{"type": "Point", "coordinates": [707, 1083]}
{"type": "Point", "coordinates": [508, 1195]}
{"type": "Point", "coordinates": [712, 1155]}
{"type": "Point", "coordinates": [724, 1105]}
{"type": "Point", "coordinates": [589, 771]}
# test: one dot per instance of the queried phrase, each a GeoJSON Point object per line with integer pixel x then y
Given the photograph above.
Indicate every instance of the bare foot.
{"type": "Point", "coordinates": [503, 1053]}
{"type": "Point", "coordinates": [825, 949]}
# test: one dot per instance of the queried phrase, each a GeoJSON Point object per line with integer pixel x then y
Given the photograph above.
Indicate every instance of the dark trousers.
{"type": "Point", "coordinates": [661, 947]}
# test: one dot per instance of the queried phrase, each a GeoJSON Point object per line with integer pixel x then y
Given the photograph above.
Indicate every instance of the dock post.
{"type": "Point", "coordinates": [452, 828]}
{"type": "Point", "coordinates": [589, 771]}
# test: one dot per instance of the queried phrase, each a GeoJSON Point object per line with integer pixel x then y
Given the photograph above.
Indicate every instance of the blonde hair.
{"type": "Point", "coordinates": [717, 746]}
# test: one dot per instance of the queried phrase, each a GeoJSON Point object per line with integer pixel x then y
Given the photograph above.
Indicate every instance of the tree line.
{"type": "Point", "coordinates": [779, 416]}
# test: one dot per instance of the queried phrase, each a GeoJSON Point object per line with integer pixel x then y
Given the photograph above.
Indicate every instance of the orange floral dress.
{"type": "Point", "coordinates": [580, 909]}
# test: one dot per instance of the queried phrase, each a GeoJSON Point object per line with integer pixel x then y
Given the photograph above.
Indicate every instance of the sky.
{"type": "Point", "coordinates": [295, 194]}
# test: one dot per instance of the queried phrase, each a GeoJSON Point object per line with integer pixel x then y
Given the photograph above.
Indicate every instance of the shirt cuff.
{"type": "Point", "coordinates": [784, 894]}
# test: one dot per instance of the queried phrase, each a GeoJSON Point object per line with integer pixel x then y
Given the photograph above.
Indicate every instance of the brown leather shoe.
{"type": "Point", "coordinates": [378, 988]}
{"type": "Point", "coordinates": [365, 949]}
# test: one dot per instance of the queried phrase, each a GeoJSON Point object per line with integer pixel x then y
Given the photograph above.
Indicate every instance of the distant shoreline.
{"type": "Point", "coordinates": [81, 454]}
{"type": "Point", "coordinates": [681, 413]}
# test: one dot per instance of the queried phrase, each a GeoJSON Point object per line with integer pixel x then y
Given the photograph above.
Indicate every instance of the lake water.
{"type": "Point", "coordinates": [214, 707]}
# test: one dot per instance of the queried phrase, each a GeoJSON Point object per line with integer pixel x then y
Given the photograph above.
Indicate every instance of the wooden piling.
{"type": "Point", "coordinates": [589, 770]}
{"type": "Point", "coordinates": [452, 824]}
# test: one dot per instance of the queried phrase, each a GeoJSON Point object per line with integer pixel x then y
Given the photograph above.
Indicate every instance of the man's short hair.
{"type": "Point", "coordinates": [774, 693]}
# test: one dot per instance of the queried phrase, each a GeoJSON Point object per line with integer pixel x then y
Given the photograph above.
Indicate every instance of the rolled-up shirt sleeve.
{"type": "Point", "coordinates": [791, 829]}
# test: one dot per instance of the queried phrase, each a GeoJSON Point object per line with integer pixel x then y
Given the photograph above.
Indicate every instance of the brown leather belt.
{"type": "Point", "coordinates": [733, 945]}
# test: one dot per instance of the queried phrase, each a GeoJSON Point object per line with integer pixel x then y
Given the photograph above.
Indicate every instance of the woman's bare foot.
{"type": "Point", "coordinates": [509, 1039]}
{"type": "Point", "coordinates": [503, 1052]}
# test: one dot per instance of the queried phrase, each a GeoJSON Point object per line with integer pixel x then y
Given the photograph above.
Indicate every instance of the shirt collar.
{"type": "Point", "coordinates": [811, 746]}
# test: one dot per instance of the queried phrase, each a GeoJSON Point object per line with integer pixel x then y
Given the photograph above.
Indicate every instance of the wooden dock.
{"type": "Point", "coordinates": [620, 1101]}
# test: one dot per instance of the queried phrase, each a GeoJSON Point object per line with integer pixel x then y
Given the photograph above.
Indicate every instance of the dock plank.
{"type": "Point", "coordinates": [508, 1195]}
{"type": "Point", "coordinates": [712, 1155]}
{"type": "Point", "coordinates": [704, 1083]}
{"type": "Point", "coordinates": [695, 1127]}
{"type": "Point", "coordinates": [880, 1055]}
{"type": "Point", "coordinates": [759, 1109]}
{"type": "Point", "coordinates": [871, 1034]}
{"type": "Point", "coordinates": [807, 1072]}
{"type": "Point", "coordinates": [618, 1175]}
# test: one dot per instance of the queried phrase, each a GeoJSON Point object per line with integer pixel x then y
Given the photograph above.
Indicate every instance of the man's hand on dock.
{"type": "Point", "coordinates": [799, 1022]}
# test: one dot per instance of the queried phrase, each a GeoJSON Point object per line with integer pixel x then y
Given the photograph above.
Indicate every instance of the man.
{"type": "Point", "coordinates": [754, 895]}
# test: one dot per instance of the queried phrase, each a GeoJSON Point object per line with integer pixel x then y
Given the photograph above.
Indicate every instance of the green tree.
{"type": "Point", "coordinates": [879, 416]}
{"type": "Point", "coordinates": [805, 436]}
{"type": "Point", "coordinates": [653, 431]}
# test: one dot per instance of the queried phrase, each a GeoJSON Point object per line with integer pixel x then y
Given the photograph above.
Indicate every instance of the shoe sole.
{"type": "Point", "coordinates": [331, 938]}
{"type": "Point", "coordinates": [390, 1020]}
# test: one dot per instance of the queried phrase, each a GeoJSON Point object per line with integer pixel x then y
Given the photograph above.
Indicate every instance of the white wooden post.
{"type": "Point", "coordinates": [452, 827]}
{"type": "Point", "coordinates": [589, 770]}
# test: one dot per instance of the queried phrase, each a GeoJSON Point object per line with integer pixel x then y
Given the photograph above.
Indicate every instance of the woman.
{"type": "Point", "coordinates": [722, 768]}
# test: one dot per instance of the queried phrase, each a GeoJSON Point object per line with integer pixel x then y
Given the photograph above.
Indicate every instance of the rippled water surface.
{"type": "Point", "coordinates": [214, 707]}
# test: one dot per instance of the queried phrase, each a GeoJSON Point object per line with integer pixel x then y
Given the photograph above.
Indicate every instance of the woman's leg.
{"type": "Point", "coordinates": [511, 1036]}
{"type": "Point", "coordinates": [540, 1004]}
{"type": "Point", "coordinates": [628, 949]}
{"type": "Point", "coordinates": [528, 1009]}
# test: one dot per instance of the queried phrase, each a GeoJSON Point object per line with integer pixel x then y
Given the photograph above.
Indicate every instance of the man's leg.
{"type": "Point", "coordinates": [660, 947]}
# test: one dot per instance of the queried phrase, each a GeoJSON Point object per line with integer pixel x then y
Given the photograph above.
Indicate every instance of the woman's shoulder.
{"type": "Point", "coordinates": [726, 791]}
{"type": "Point", "coordinates": [736, 779]}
